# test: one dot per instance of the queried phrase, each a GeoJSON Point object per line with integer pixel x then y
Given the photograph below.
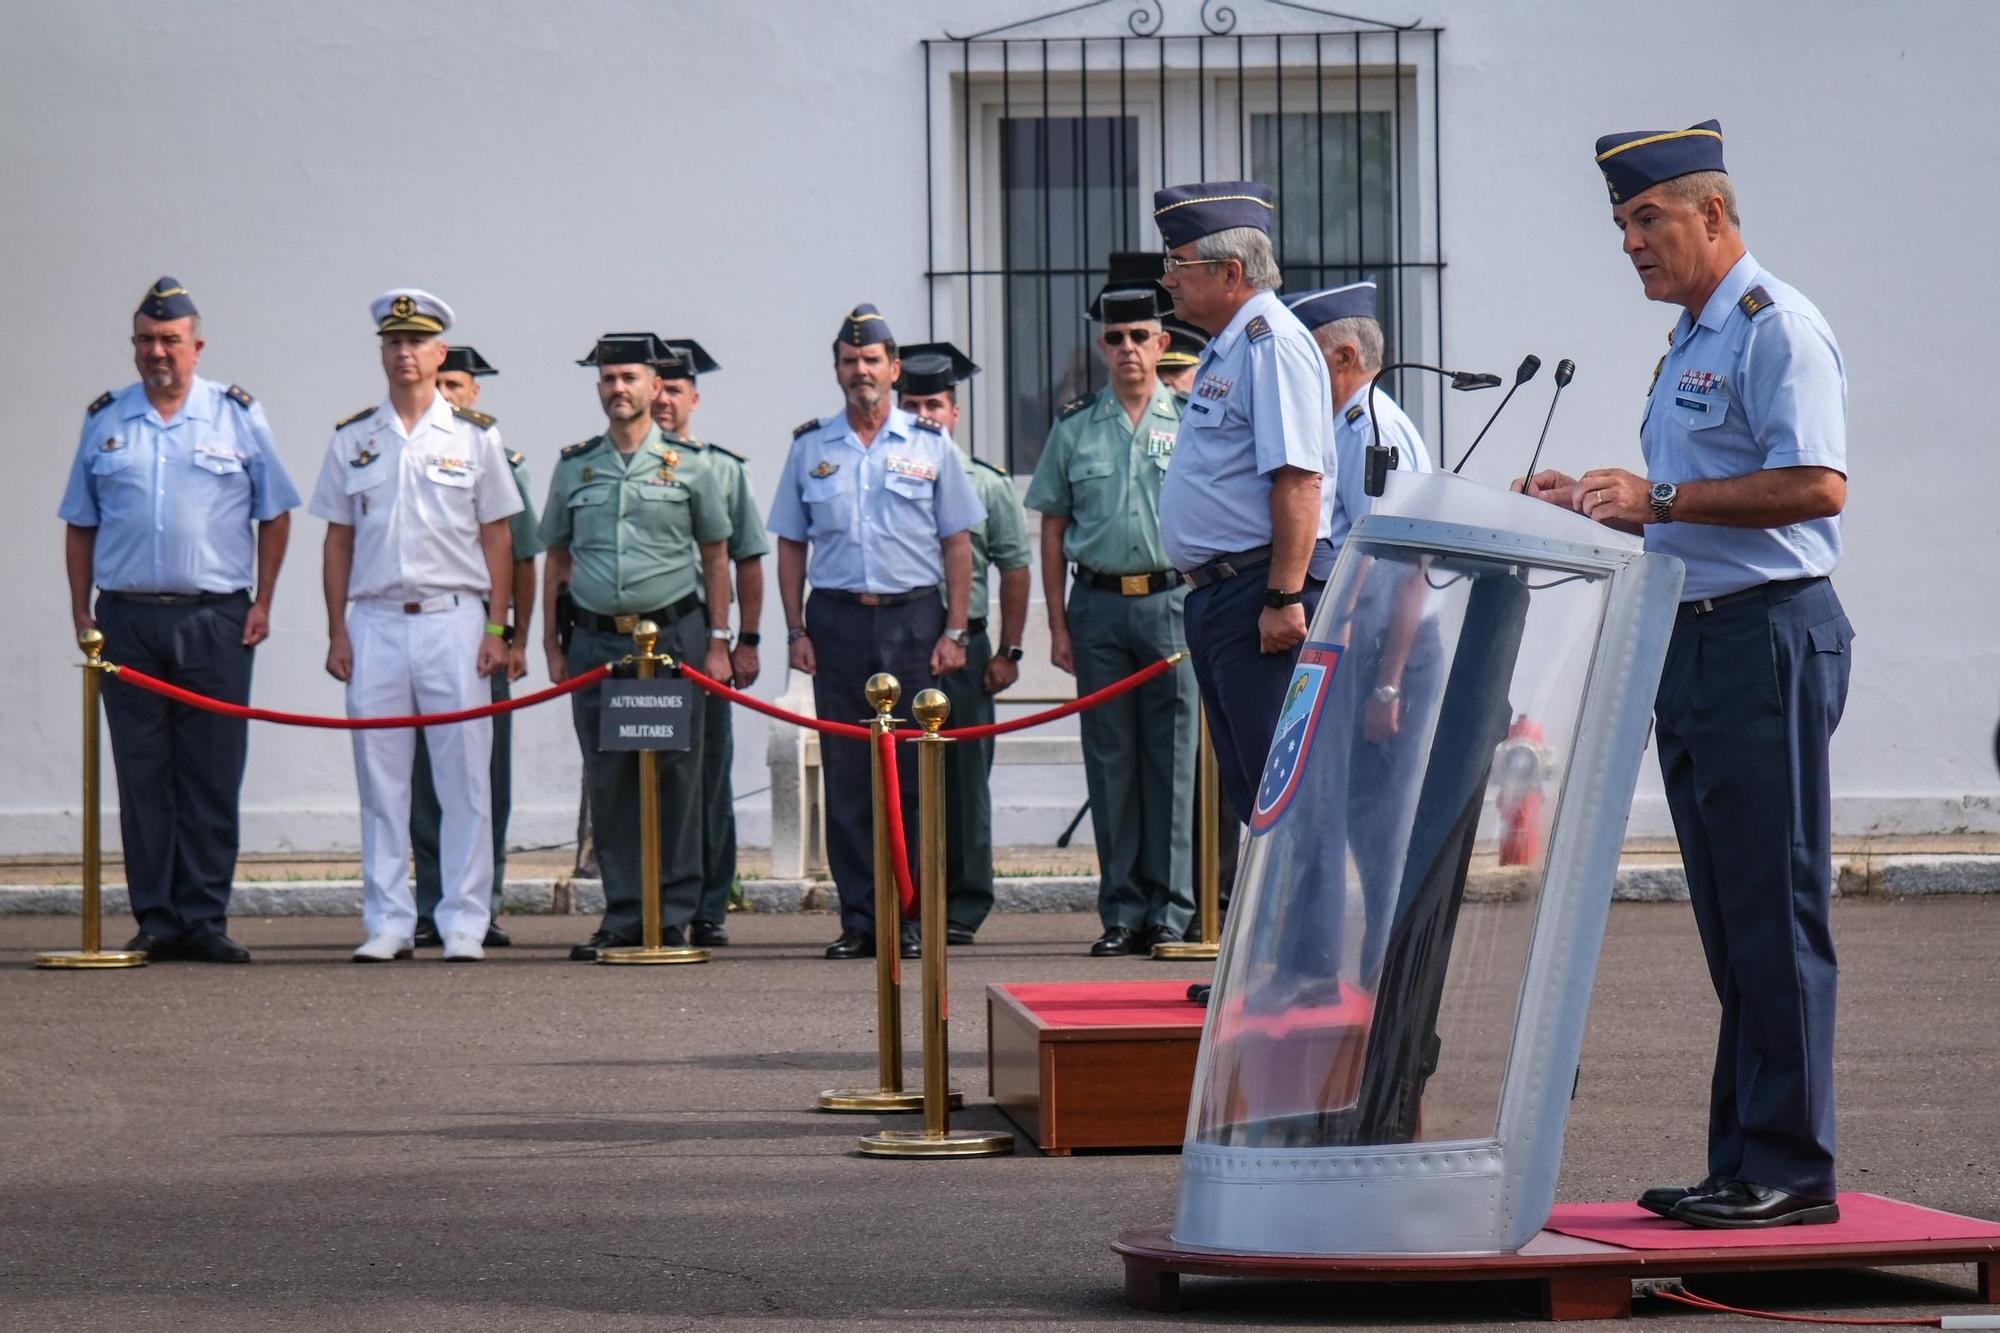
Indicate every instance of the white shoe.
{"type": "Point", "coordinates": [464, 948]}
{"type": "Point", "coordinates": [385, 949]}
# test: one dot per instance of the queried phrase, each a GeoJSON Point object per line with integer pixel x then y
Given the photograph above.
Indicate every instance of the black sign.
{"type": "Point", "coordinates": [646, 715]}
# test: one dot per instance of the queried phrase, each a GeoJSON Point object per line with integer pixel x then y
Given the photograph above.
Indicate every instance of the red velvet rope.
{"type": "Point", "coordinates": [206, 704]}
{"type": "Point", "coordinates": [899, 844]}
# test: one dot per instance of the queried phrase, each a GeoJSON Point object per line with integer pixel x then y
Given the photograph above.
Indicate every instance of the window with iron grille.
{"type": "Point", "coordinates": [1044, 153]}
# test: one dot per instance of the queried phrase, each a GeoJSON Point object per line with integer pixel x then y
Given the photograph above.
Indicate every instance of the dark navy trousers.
{"type": "Point", "coordinates": [180, 770]}
{"type": "Point", "coordinates": [852, 642]}
{"type": "Point", "coordinates": [1242, 687]}
{"type": "Point", "coordinates": [1748, 702]}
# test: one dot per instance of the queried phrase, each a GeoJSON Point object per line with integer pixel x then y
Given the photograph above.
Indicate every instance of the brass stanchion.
{"type": "Point", "coordinates": [1208, 820]}
{"type": "Point", "coordinates": [936, 1138]}
{"type": "Point", "coordinates": [889, 1095]}
{"type": "Point", "coordinates": [90, 956]}
{"type": "Point", "coordinates": [646, 635]}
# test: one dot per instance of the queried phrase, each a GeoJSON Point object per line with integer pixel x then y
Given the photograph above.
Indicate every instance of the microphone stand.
{"type": "Point", "coordinates": [1380, 457]}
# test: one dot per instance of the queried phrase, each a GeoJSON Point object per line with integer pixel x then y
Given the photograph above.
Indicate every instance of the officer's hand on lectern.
{"type": "Point", "coordinates": [1281, 628]}
{"type": "Point", "coordinates": [1557, 488]}
{"type": "Point", "coordinates": [340, 659]}
{"type": "Point", "coordinates": [800, 655]}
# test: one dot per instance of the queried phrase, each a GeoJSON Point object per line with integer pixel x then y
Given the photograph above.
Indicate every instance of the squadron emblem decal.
{"type": "Point", "coordinates": [1291, 744]}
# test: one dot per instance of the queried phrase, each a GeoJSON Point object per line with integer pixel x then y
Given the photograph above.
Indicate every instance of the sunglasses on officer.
{"type": "Point", "coordinates": [1119, 337]}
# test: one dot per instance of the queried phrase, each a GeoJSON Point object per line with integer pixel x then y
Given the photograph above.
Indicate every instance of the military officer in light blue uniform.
{"type": "Point", "coordinates": [178, 512]}
{"type": "Point", "coordinates": [1745, 445]}
{"type": "Point", "coordinates": [458, 382]}
{"type": "Point", "coordinates": [929, 387]}
{"type": "Point", "coordinates": [1097, 488]}
{"type": "Point", "coordinates": [1240, 510]}
{"type": "Point", "coordinates": [1388, 683]}
{"type": "Point", "coordinates": [874, 507]}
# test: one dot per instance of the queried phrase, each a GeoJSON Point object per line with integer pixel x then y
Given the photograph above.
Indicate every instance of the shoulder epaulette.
{"type": "Point", "coordinates": [809, 424]}
{"type": "Point", "coordinates": [1355, 413]}
{"type": "Point", "coordinates": [239, 395]}
{"type": "Point", "coordinates": [362, 415]}
{"type": "Point", "coordinates": [931, 424]}
{"type": "Point", "coordinates": [573, 450]}
{"type": "Point", "coordinates": [1657, 365]}
{"type": "Point", "coordinates": [1257, 329]}
{"type": "Point", "coordinates": [479, 419]}
{"type": "Point", "coordinates": [102, 402]}
{"type": "Point", "coordinates": [1073, 406]}
{"type": "Point", "coordinates": [515, 458]}
{"type": "Point", "coordinates": [1754, 300]}
{"type": "Point", "coordinates": [726, 453]}
{"type": "Point", "coordinates": [994, 468]}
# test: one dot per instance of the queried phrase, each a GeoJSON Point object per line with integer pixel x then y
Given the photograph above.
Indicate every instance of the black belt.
{"type": "Point", "coordinates": [173, 598]}
{"type": "Point", "coordinates": [875, 598]}
{"type": "Point", "coordinates": [1227, 567]}
{"type": "Point", "coordinates": [664, 617]}
{"type": "Point", "coordinates": [976, 625]}
{"type": "Point", "coordinates": [1132, 585]}
{"type": "Point", "coordinates": [1707, 605]}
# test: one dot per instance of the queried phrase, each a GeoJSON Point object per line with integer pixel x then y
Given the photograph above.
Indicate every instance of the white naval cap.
{"type": "Point", "coordinates": [409, 310]}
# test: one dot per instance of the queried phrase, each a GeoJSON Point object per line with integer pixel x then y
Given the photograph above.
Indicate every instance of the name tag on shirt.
{"type": "Point", "coordinates": [1199, 410]}
{"type": "Point", "coordinates": [1692, 404]}
{"type": "Point", "coordinates": [911, 467]}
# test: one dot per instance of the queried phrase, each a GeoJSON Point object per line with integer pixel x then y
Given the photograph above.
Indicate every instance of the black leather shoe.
{"type": "Point", "coordinates": [957, 935]}
{"type": "Point", "coordinates": [911, 942]}
{"type": "Point", "coordinates": [212, 947]}
{"type": "Point", "coordinates": [1661, 1199]}
{"type": "Point", "coordinates": [427, 936]}
{"type": "Point", "coordinates": [1115, 942]}
{"type": "Point", "coordinates": [156, 949]}
{"type": "Point", "coordinates": [673, 937]}
{"type": "Point", "coordinates": [852, 944]}
{"type": "Point", "coordinates": [497, 938]}
{"type": "Point", "coordinates": [1199, 992]}
{"type": "Point", "coordinates": [586, 952]}
{"type": "Point", "coordinates": [708, 935]}
{"type": "Point", "coordinates": [1738, 1206]}
{"type": "Point", "coordinates": [1159, 935]}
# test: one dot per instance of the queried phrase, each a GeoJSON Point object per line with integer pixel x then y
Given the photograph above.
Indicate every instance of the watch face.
{"type": "Point", "coordinates": [1663, 491]}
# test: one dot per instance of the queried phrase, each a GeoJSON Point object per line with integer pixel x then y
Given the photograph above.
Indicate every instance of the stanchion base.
{"type": "Point", "coordinates": [639, 953]}
{"type": "Point", "coordinates": [1183, 951]}
{"type": "Point", "coordinates": [951, 1143]}
{"type": "Point", "coordinates": [77, 960]}
{"type": "Point", "coordinates": [878, 1101]}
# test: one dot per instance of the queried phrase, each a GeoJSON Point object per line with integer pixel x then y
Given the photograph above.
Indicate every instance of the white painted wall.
{"type": "Point", "coordinates": [763, 170]}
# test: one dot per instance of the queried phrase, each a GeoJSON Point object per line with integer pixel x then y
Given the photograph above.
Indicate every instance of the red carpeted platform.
{"type": "Point", "coordinates": [1586, 1258]}
{"type": "Point", "coordinates": [1865, 1219]}
{"type": "Point", "coordinates": [1076, 1004]}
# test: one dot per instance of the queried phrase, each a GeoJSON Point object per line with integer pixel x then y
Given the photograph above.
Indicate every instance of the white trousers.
{"type": "Point", "coordinates": [425, 663]}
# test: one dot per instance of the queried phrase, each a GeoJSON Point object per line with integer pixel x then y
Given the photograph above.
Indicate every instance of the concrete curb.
{"type": "Point", "coordinates": [1897, 876]}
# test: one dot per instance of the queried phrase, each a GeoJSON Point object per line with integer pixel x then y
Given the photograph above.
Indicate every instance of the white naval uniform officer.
{"type": "Point", "coordinates": [416, 495]}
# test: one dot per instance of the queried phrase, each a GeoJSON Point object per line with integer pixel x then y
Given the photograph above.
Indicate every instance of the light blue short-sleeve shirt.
{"type": "Point", "coordinates": [1347, 500]}
{"type": "Point", "coordinates": [874, 516]}
{"type": "Point", "coordinates": [1259, 403]}
{"type": "Point", "coordinates": [173, 502]}
{"type": "Point", "coordinates": [1756, 382]}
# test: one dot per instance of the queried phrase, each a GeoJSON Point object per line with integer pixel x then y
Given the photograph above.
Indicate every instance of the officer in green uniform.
{"type": "Point", "coordinates": [632, 535]}
{"type": "Point", "coordinates": [458, 381]}
{"type": "Point", "coordinates": [673, 405]}
{"type": "Point", "coordinates": [931, 372]}
{"type": "Point", "coordinates": [1097, 488]}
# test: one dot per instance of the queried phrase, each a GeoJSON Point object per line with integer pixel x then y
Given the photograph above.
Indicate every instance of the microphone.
{"type": "Point", "coordinates": [1381, 457]}
{"type": "Point", "coordinates": [1530, 365]}
{"type": "Point", "coordinates": [1565, 371]}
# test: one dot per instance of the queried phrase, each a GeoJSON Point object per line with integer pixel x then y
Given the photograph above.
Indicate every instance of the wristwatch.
{"type": "Point", "coordinates": [722, 633]}
{"type": "Point", "coordinates": [795, 633]}
{"type": "Point", "coordinates": [749, 638]}
{"type": "Point", "coordinates": [1012, 652]}
{"type": "Point", "coordinates": [1663, 495]}
{"type": "Point", "coordinates": [957, 636]}
{"type": "Point", "coordinates": [1274, 598]}
{"type": "Point", "coordinates": [1387, 694]}
{"type": "Point", "coordinates": [507, 635]}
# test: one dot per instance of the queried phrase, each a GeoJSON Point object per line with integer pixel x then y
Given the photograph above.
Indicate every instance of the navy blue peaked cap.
{"type": "Point", "coordinates": [1354, 301]}
{"type": "Point", "coordinates": [1636, 161]}
{"type": "Point", "coordinates": [167, 299]}
{"type": "Point", "coordinates": [1189, 212]}
{"type": "Point", "coordinates": [864, 325]}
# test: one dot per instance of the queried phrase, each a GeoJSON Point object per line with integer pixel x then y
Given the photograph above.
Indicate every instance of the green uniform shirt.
{"type": "Point", "coordinates": [527, 541]}
{"type": "Point", "coordinates": [632, 527]}
{"type": "Point", "coordinates": [1103, 473]}
{"type": "Point", "coordinates": [1001, 538]}
{"type": "Point", "coordinates": [747, 538]}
